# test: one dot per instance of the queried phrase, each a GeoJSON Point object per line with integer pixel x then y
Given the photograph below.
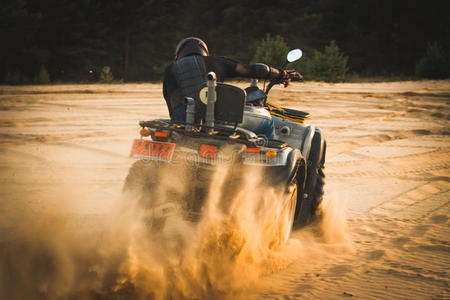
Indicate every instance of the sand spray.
{"type": "Point", "coordinates": [147, 253]}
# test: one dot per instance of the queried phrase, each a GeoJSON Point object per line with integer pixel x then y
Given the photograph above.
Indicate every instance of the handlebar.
{"type": "Point", "coordinates": [289, 75]}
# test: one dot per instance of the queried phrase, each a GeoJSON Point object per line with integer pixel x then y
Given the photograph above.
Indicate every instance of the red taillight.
{"type": "Point", "coordinates": [208, 151]}
{"type": "Point", "coordinates": [160, 134]}
{"type": "Point", "coordinates": [253, 150]}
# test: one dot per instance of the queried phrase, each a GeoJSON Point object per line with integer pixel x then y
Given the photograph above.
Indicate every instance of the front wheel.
{"type": "Point", "coordinates": [313, 188]}
{"type": "Point", "coordinates": [318, 190]}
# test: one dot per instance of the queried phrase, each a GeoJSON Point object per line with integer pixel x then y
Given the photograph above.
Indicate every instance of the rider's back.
{"type": "Point", "coordinates": [184, 76]}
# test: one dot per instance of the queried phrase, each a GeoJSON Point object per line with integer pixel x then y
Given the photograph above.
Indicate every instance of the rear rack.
{"type": "Point", "coordinates": [232, 134]}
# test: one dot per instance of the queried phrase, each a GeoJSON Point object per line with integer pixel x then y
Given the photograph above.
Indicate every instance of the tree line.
{"type": "Point", "coordinates": [80, 40]}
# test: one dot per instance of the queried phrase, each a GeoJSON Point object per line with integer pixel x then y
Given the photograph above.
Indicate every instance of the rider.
{"type": "Point", "coordinates": [192, 63]}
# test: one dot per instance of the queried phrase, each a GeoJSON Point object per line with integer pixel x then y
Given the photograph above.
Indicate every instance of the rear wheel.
{"type": "Point", "coordinates": [140, 176]}
{"type": "Point", "coordinates": [141, 186]}
{"type": "Point", "coordinates": [286, 218]}
{"type": "Point", "coordinates": [288, 221]}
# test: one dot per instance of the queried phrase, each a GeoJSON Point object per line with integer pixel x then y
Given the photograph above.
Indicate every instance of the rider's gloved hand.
{"type": "Point", "coordinates": [294, 75]}
{"type": "Point", "coordinates": [291, 75]}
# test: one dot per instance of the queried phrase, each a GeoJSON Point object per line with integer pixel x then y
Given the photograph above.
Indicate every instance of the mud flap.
{"type": "Point", "coordinates": [305, 201]}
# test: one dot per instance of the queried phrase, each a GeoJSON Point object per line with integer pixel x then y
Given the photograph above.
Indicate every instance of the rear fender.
{"type": "Point", "coordinates": [286, 174]}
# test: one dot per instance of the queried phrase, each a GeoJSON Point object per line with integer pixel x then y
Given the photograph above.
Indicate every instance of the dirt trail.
{"type": "Point", "coordinates": [385, 234]}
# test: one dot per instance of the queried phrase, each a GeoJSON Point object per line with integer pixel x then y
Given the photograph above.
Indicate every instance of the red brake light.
{"type": "Point", "coordinates": [208, 151]}
{"type": "Point", "coordinates": [253, 150]}
{"type": "Point", "coordinates": [160, 134]}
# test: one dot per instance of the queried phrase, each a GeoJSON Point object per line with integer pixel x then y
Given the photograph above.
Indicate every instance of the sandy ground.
{"type": "Point", "coordinates": [385, 232]}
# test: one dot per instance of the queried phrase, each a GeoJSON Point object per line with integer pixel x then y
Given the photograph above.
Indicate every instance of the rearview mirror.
{"type": "Point", "coordinates": [294, 55]}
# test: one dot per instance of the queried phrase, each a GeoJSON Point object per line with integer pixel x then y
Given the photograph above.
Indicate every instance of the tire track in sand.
{"type": "Point", "coordinates": [340, 148]}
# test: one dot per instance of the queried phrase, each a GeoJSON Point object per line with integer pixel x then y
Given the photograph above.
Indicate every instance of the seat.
{"type": "Point", "coordinates": [229, 105]}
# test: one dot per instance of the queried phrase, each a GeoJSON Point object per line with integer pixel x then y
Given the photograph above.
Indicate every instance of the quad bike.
{"type": "Point", "coordinates": [292, 163]}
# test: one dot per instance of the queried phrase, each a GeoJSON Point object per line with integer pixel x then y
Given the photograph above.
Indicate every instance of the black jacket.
{"type": "Point", "coordinates": [224, 68]}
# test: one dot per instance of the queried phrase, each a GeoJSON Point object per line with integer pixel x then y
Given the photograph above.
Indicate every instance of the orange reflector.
{"type": "Point", "coordinates": [253, 150]}
{"type": "Point", "coordinates": [208, 151]}
{"type": "Point", "coordinates": [144, 132]}
{"type": "Point", "coordinates": [160, 134]}
{"type": "Point", "coordinates": [271, 154]}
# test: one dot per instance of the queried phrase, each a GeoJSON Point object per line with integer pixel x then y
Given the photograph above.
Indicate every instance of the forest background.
{"type": "Point", "coordinates": [50, 41]}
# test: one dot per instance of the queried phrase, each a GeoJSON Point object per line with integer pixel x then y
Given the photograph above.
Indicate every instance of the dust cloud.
{"type": "Point", "coordinates": [146, 247]}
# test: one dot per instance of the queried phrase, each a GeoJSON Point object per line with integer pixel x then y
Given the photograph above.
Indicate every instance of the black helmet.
{"type": "Point", "coordinates": [190, 46]}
